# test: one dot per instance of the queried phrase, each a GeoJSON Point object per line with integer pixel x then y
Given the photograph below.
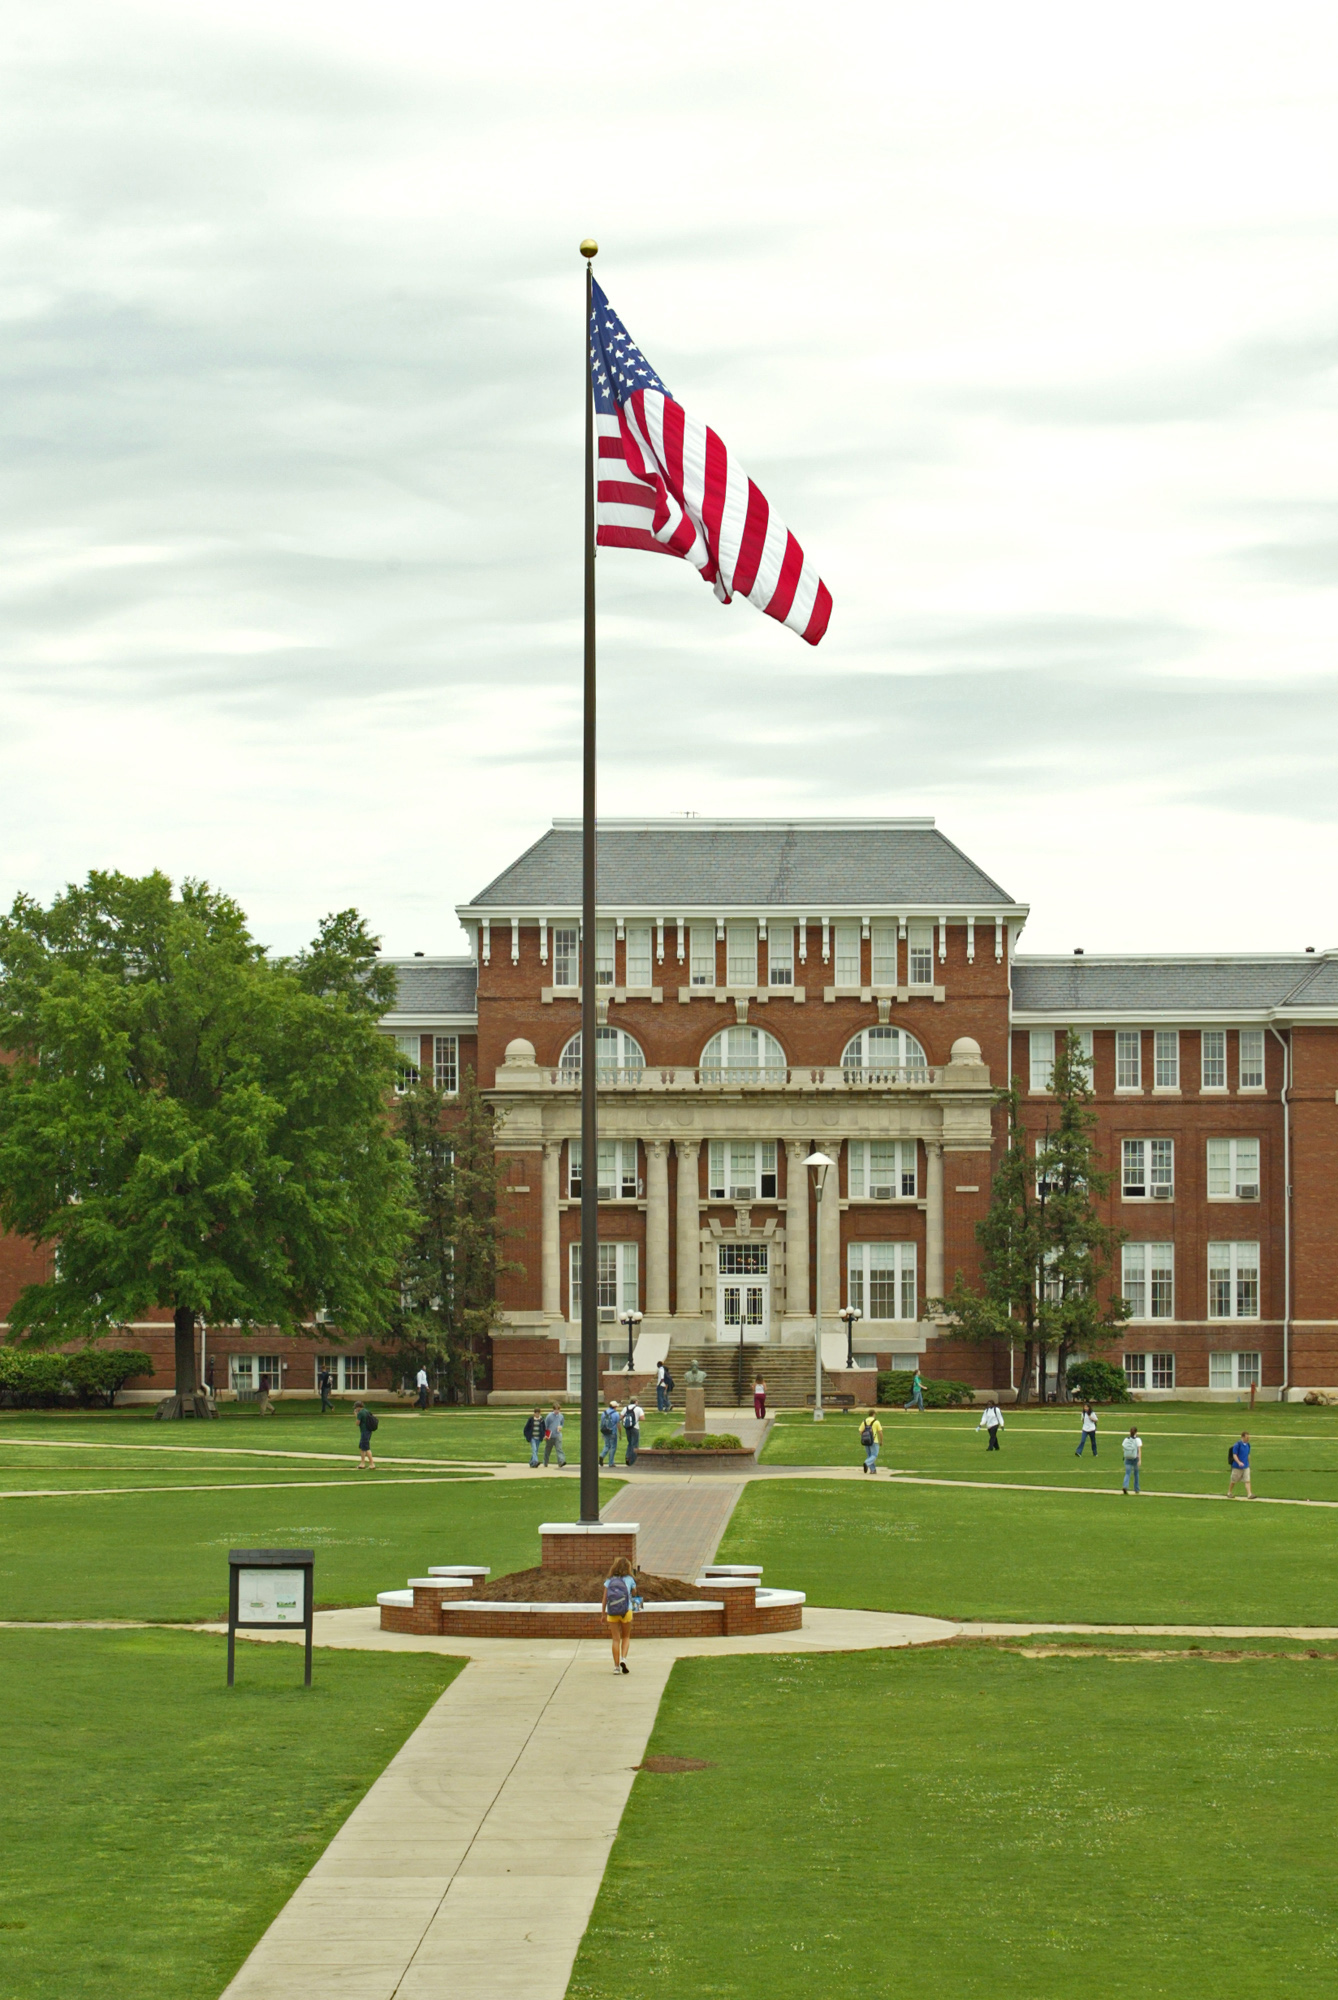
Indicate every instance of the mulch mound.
{"type": "Point", "coordinates": [547, 1586]}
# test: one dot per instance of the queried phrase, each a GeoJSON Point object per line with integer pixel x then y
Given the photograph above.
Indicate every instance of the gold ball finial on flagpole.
{"type": "Point", "coordinates": [589, 247]}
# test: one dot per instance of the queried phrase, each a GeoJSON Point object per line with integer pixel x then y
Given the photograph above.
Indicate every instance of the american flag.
{"type": "Point", "coordinates": [666, 483]}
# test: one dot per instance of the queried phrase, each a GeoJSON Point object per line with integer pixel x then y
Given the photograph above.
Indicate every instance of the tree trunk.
{"type": "Point", "coordinates": [1024, 1379]}
{"type": "Point", "coordinates": [1061, 1373]}
{"type": "Point", "coordinates": [189, 1400]}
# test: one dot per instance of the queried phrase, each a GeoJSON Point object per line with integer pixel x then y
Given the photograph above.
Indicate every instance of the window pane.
{"type": "Point", "coordinates": [884, 954]}
{"type": "Point", "coordinates": [715, 1176]}
{"type": "Point", "coordinates": [1161, 1281]}
{"type": "Point", "coordinates": [1161, 1154]}
{"type": "Point", "coordinates": [566, 958]}
{"type": "Point", "coordinates": [847, 955]}
{"type": "Point", "coordinates": [883, 1169]}
{"type": "Point", "coordinates": [1247, 1281]}
{"type": "Point", "coordinates": [408, 1050]}
{"type": "Point", "coordinates": [1128, 1059]}
{"type": "Point", "coordinates": [1133, 1281]}
{"type": "Point", "coordinates": [920, 954]}
{"type": "Point", "coordinates": [603, 954]}
{"type": "Point", "coordinates": [1248, 1375]}
{"type": "Point", "coordinates": [446, 1063]}
{"type": "Point", "coordinates": [1135, 1169]}
{"type": "Point", "coordinates": [701, 944]}
{"type": "Point", "coordinates": [741, 951]}
{"type": "Point", "coordinates": [1219, 1281]}
{"type": "Point", "coordinates": [1219, 1168]}
{"type": "Point", "coordinates": [1221, 1370]}
{"type": "Point", "coordinates": [638, 954]}
{"type": "Point", "coordinates": [856, 1155]}
{"type": "Point", "coordinates": [1163, 1371]}
{"type": "Point", "coordinates": [1135, 1370]}
{"type": "Point", "coordinates": [1251, 1058]}
{"type": "Point", "coordinates": [1042, 1049]}
{"type": "Point", "coordinates": [1246, 1177]}
{"type": "Point", "coordinates": [780, 955]}
{"type": "Point", "coordinates": [1167, 1059]}
{"type": "Point", "coordinates": [910, 1159]}
{"type": "Point", "coordinates": [1213, 1069]}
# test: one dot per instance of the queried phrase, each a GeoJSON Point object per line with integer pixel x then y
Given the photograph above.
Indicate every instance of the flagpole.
{"type": "Point", "coordinates": [589, 1101]}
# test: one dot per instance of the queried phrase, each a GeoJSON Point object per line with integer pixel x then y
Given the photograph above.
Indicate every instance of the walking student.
{"type": "Point", "coordinates": [1238, 1458]}
{"type": "Point", "coordinates": [871, 1437]}
{"type": "Point", "coordinates": [618, 1612]}
{"type": "Point", "coordinates": [917, 1401]}
{"type": "Point", "coordinates": [324, 1384]}
{"type": "Point", "coordinates": [1132, 1447]}
{"type": "Point", "coordinates": [367, 1423]}
{"type": "Point", "coordinates": [1087, 1432]}
{"type": "Point", "coordinates": [534, 1433]}
{"type": "Point", "coordinates": [633, 1418]}
{"type": "Point", "coordinates": [664, 1386]}
{"type": "Point", "coordinates": [553, 1435]}
{"type": "Point", "coordinates": [609, 1421]}
{"type": "Point", "coordinates": [992, 1421]}
{"type": "Point", "coordinates": [424, 1389]}
{"type": "Point", "coordinates": [759, 1399]}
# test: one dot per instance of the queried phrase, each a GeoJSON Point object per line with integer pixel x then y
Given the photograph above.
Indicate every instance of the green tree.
{"type": "Point", "coordinates": [190, 1125]}
{"type": "Point", "coordinates": [452, 1265]}
{"type": "Point", "coordinates": [1046, 1253]}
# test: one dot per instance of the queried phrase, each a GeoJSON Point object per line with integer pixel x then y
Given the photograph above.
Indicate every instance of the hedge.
{"type": "Point", "coordinates": [1098, 1382]}
{"type": "Point", "coordinates": [894, 1386]}
{"type": "Point", "coordinates": [31, 1380]}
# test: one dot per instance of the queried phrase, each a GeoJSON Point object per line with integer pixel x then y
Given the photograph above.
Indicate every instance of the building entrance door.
{"type": "Point", "coordinates": [743, 1292]}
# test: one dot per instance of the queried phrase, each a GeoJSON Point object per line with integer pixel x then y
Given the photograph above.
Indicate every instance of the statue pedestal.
{"type": "Point", "coordinates": [694, 1420]}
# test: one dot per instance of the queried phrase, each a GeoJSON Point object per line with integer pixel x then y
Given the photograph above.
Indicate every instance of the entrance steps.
{"type": "Point", "coordinates": [787, 1372]}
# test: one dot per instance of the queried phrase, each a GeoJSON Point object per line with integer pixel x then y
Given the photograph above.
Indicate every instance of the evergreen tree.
{"type": "Point", "coordinates": [1046, 1253]}
{"type": "Point", "coordinates": [190, 1125]}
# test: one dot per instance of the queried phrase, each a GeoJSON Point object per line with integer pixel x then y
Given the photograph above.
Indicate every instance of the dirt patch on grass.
{"type": "Point", "coordinates": [1231, 1656]}
{"type": "Point", "coordinates": [547, 1586]}
{"type": "Point", "coordinates": [668, 1766]}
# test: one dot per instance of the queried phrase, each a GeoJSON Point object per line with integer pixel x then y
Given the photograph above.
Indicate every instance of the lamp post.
{"type": "Point", "coordinates": [821, 1166]}
{"type": "Point", "coordinates": [631, 1320]}
{"type": "Point", "coordinates": [849, 1314]}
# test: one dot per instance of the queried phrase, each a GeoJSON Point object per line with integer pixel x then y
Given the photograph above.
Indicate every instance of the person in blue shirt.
{"type": "Point", "coordinates": [1238, 1458]}
{"type": "Point", "coordinates": [609, 1423]}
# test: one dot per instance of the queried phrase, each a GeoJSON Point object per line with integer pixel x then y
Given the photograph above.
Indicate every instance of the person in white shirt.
{"type": "Point", "coordinates": [993, 1422]}
{"type": "Point", "coordinates": [1132, 1447]}
{"type": "Point", "coordinates": [1087, 1434]}
{"type": "Point", "coordinates": [424, 1389]}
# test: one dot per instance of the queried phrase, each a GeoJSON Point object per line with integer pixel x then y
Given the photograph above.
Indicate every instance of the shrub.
{"type": "Point", "coordinates": [1098, 1382]}
{"type": "Point", "coordinates": [894, 1386]}
{"type": "Point", "coordinates": [99, 1372]}
{"type": "Point", "coordinates": [709, 1441]}
{"type": "Point", "coordinates": [31, 1380]}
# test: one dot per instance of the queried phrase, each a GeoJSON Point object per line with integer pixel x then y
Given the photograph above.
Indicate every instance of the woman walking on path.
{"type": "Point", "coordinates": [993, 1422]}
{"type": "Point", "coordinates": [917, 1401]}
{"type": "Point", "coordinates": [1132, 1447]}
{"type": "Point", "coordinates": [618, 1612]}
{"type": "Point", "coordinates": [871, 1437]}
{"type": "Point", "coordinates": [1238, 1458]}
{"type": "Point", "coordinates": [367, 1423]}
{"type": "Point", "coordinates": [759, 1399]}
{"type": "Point", "coordinates": [1087, 1434]}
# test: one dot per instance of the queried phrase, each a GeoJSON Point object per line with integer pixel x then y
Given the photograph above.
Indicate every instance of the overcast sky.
{"type": "Point", "coordinates": [1025, 319]}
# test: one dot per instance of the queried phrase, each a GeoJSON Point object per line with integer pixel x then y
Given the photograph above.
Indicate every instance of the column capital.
{"type": "Point", "coordinates": [687, 1148]}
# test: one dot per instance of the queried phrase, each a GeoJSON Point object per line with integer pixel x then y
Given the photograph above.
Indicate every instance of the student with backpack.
{"type": "Point", "coordinates": [553, 1435]}
{"type": "Point", "coordinates": [633, 1416]}
{"type": "Point", "coordinates": [367, 1423]}
{"type": "Point", "coordinates": [534, 1435]}
{"type": "Point", "coordinates": [1238, 1458]}
{"type": "Point", "coordinates": [609, 1422]}
{"type": "Point", "coordinates": [664, 1387]}
{"type": "Point", "coordinates": [871, 1437]}
{"type": "Point", "coordinates": [1132, 1447]}
{"type": "Point", "coordinates": [993, 1422]}
{"type": "Point", "coordinates": [619, 1594]}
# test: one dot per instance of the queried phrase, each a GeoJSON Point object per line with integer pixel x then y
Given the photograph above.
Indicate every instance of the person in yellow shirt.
{"type": "Point", "coordinates": [870, 1436]}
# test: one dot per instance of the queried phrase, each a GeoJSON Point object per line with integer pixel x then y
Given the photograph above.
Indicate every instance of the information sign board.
{"type": "Point", "coordinates": [269, 1590]}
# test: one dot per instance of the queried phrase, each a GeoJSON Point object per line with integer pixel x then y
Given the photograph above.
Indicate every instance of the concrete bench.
{"type": "Point", "coordinates": [839, 1402]}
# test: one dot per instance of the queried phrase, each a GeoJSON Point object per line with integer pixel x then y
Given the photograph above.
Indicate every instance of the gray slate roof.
{"type": "Point", "coordinates": [715, 864]}
{"type": "Point", "coordinates": [436, 986]}
{"type": "Point", "coordinates": [1161, 986]}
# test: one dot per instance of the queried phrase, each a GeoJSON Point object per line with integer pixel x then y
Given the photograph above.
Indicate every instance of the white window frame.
{"type": "Point", "coordinates": [1212, 1059]}
{"type": "Point", "coordinates": [623, 1065]}
{"type": "Point", "coordinates": [1234, 1165]}
{"type": "Point", "coordinates": [1166, 1060]}
{"type": "Point", "coordinates": [1252, 1065]}
{"type": "Point", "coordinates": [606, 945]}
{"type": "Point", "coordinates": [1234, 1279]}
{"type": "Point", "coordinates": [619, 1282]}
{"type": "Point", "coordinates": [1147, 1170]}
{"type": "Point", "coordinates": [897, 1266]}
{"type": "Point", "coordinates": [639, 957]}
{"type": "Point", "coordinates": [409, 1057]}
{"type": "Point", "coordinates": [846, 955]}
{"type": "Point", "coordinates": [1135, 1370]}
{"type": "Point", "coordinates": [780, 955]}
{"type": "Point", "coordinates": [618, 1176]}
{"type": "Point", "coordinates": [882, 1169]}
{"type": "Point", "coordinates": [349, 1372]}
{"type": "Point", "coordinates": [245, 1371]}
{"type": "Point", "coordinates": [884, 1052]}
{"type": "Point", "coordinates": [742, 1052]}
{"type": "Point", "coordinates": [446, 1064]}
{"type": "Point", "coordinates": [1128, 1059]}
{"type": "Point", "coordinates": [883, 956]}
{"type": "Point", "coordinates": [1041, 1061]}
{"type": "Point", "coordinates": [1163, 1371]}
{"type": "Point", "coordinates": [741, 1170]}
{"type": "Point", "coordinates": [920, 955]}
{"type": "Point", "coordinates": [741, 954]}
{"type": "Point", "coordinates": [1147, 1279]}
{"type": "Point", "coordinates": [1235, 1368]}
{"type": "Point", "coordinates": [701, 954]}
{"type": "Point", "coordinates": [566, 957]}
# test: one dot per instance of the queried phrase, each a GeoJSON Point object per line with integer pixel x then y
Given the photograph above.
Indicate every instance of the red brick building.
{"type": "Point", "coordinates": [768, 987]}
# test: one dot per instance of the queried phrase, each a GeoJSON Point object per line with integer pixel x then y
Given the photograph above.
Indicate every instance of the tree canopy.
{"type": "Point", "coordinates": [191, 1125]}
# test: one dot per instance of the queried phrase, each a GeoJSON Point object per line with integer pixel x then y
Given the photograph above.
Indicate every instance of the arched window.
{"type": "Point", "coordinates": [743, 1055]}
{"type": "Point", "coordinates": [618, 1059]}
{"type": "Point", "coordinates": [883, 1054]}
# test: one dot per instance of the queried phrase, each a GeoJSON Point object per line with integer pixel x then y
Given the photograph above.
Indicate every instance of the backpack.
{"type": "Point", "coordinates": [668, 1380]}
{"type": "Point", "coordinates": [373, 1423]}
{"type": "Point", "coordinates": [618, 1599]}
{"type": "Point", "coordinates": [866, 1436]}
{"type": "Point", "coordinates": [608, 1423]}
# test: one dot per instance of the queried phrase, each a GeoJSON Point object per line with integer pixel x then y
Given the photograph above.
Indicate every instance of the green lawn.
{"type": "Point", "coordinates": [153, 1821]}
{"type": "Point", "coordinates": [1295, 1449]}
{"type": "Point", "coordinates": [971, 1823]}
{"type": "Point", "coordinates": [164, 1555]}
{"type": "Point", "coordinates": [962, 1552]}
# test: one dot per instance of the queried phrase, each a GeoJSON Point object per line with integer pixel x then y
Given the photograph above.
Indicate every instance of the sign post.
{"type": "Point", "coordinates": [269, 1590]}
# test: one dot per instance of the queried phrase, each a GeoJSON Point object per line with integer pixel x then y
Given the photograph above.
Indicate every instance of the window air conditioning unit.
{"type": "Point", "coordinates": [1247, 1191]}
{"type": "Point", "coordinates": [608, 1315]}
{"type": "Point", "coordinates": [1162, 1193]}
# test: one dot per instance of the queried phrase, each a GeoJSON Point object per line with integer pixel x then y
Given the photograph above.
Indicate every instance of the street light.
{"type": "Point", "coordinates": [821, 1165]}
{"type": "Point", "coordinates": [631, 1320]}
{"type": "Point", "coordinates": [850, 1314]}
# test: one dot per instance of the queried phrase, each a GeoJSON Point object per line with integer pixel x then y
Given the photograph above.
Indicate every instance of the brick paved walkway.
{"type": "Point", "coordinates": [681, 1526]}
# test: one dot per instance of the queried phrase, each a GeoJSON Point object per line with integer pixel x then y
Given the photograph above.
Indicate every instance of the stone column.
{"type": "Point", "coordinates": [797, 1300]}
{"type": "Point", "coordinates": [831, 1238]}
{"type": "Point", "coordinates": [657, 1226]}
{"type": "Point", "coordinates": [934, 1219]}
{"type": "Point", "coordinates": [689, 1225]}
{"type": "Point", "coordinates": [549, 1240]}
